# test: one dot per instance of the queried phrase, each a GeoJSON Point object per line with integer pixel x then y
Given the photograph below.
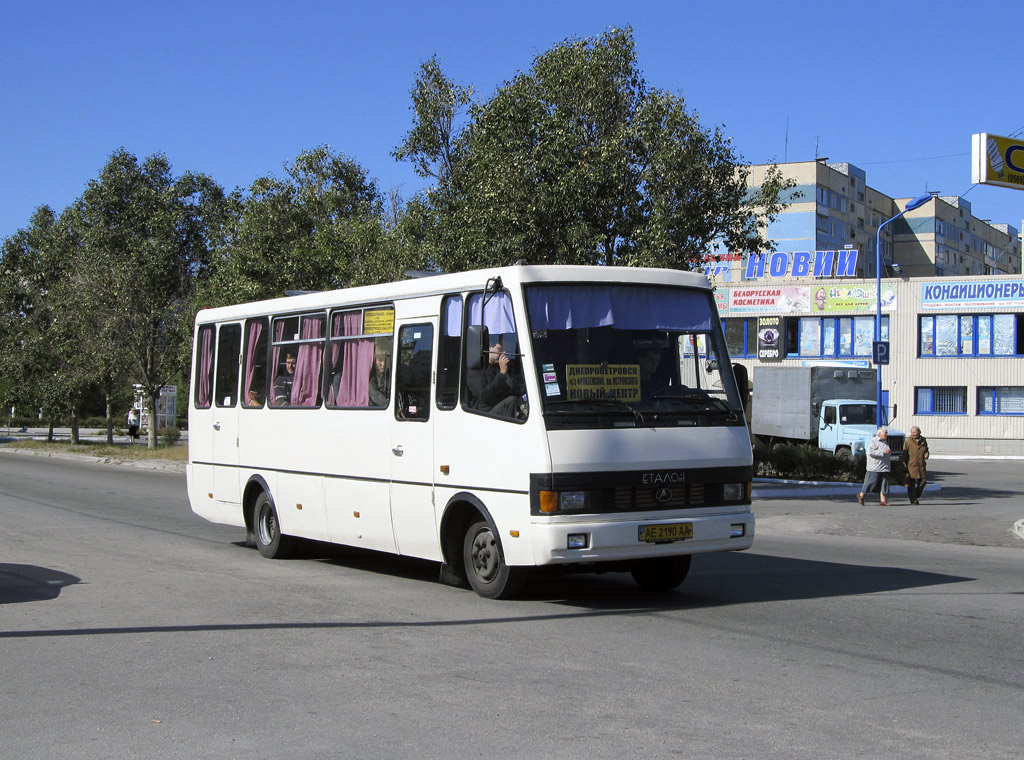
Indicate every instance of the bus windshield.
{"type": "Point", "coordinates": [610, 355]}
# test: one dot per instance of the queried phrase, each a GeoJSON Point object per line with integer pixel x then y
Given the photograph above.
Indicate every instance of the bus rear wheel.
{"type": "Point", "coordinates": [661, 573]}
{"type": "Point", "coordinates": [267, 530]}
{"type": "Point", "coordinates": [486, 571]}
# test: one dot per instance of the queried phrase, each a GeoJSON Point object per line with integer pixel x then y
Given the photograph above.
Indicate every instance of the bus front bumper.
{"type": "Point", "coordinates": [582, 540]}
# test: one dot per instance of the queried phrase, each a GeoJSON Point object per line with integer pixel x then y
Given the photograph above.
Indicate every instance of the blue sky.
{"type": "Point", "coordinates": [236, 89]}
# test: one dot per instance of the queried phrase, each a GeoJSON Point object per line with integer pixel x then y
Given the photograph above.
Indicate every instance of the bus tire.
{"type": "Point", "coordinates": [661, 573]}
{"type": "Point", "coordinates": [267, 530]}
{"type": "Point", "coordinates": [843, 454]}
{"type": "Point", "coordinates": [486, 571]}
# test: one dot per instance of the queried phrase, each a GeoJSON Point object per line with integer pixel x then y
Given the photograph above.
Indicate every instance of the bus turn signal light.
{"type": "Point", "coordinates": [549, 501]}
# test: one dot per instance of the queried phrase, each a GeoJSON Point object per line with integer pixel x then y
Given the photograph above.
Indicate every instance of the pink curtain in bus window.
{"type": "Point", "coordinates": [255, 329]}
{"type": "Point", "coordinates": [275, 361]}
{"type": "Point", "coordinates": [335, 353]}
{"type": "Point", "coordinates": [357, 360]}
{"type": "Point", "coordinates": [306, 388]}
{"type": "Point", "coordinates": [204, 395]}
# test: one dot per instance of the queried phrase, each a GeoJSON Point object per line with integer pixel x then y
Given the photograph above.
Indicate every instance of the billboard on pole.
{"type": "Point", "coordinates": [997, 160]}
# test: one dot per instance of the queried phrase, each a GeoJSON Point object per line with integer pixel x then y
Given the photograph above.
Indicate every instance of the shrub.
{"type": "Point", "coordinates": [805, 462]}
{"type": "Point", "coordinates": [170, 436]}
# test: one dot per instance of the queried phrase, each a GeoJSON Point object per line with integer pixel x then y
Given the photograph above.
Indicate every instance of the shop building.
{"type": "Point", "coordinates": [956, 345]}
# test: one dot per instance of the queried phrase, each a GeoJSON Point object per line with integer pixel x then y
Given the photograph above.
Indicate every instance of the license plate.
{"type": "Point", "coordinates": [668, 532]}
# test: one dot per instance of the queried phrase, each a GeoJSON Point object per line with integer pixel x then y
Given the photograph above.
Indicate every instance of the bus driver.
{"type": "Point", "coordinates": [494, 389]}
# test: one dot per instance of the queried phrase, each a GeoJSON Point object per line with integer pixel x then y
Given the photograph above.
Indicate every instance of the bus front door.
{"type": "Point", "coordinates": [225, 414]}
{"type": "Point", "coordinates": [412, 445]}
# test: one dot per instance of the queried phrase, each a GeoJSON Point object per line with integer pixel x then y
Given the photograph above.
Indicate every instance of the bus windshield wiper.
{"type": "Point", "coordinates": [616, 402]}
{"type": "Point", "coordinates": [698, 397]}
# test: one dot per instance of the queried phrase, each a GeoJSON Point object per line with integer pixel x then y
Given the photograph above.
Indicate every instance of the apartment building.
{"type": "Point", "coordinates": [833, 208]}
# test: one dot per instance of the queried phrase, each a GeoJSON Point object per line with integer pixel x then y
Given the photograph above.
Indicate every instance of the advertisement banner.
{"type": "Point", "coordinates": [973, 294]}
{"type": "Point", "coordinates": [770, 339]}
{"type": "Point", "coordinates": [722, 301]}
{"type": "Point", "coordinates": [792, 299]}
{"type": "Point", "coordinates": [853, 298]}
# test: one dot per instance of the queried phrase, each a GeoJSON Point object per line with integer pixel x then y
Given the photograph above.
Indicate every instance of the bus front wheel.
{"type": "Point", "coordinates": [267, 530]}
{"type": "Point", "coordinates": [486, 570]}
{"type": "Point", "coordinates": [661, 573]}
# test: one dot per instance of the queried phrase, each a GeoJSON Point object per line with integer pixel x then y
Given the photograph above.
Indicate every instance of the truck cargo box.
{"type": "Point", "coordinates": [786, 399]}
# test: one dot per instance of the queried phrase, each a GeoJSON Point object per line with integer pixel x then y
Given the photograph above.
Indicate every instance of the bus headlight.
{"type": "Point", "coordinates": [733, 491]}
{"type": "Point", "coordinates": [563, 501]}
{"type": "Point", "coordinates": [570, 501]}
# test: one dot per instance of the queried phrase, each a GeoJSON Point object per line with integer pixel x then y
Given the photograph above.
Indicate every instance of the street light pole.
{"type": "Point", "coordinates": [915, 203]}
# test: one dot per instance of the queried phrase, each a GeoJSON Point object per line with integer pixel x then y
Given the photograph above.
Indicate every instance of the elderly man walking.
{"type": "Point", "coordinates": [876, 478]}
{"type": "Point", "coordinates": [917, 455]}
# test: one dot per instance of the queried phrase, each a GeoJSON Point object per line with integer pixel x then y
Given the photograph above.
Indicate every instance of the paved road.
{"type": "Point", "coordinates": [969, 501]}
{"type": "Point", "coordinates": [130, 628]}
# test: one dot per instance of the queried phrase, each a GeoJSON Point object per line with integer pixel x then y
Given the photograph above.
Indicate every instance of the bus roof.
{"type": "Point", "coordinates": [457, 282]}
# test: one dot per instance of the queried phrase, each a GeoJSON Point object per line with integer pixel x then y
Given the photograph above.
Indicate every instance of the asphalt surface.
{"type": "Point", "coordinates": [130, 628]}
{"type": "Point", "coordinates": [971, 501]}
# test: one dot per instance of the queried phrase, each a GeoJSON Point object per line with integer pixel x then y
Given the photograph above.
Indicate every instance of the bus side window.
{"type": "Point", "coordinates": [413, 362]}
{"type": "Point", "coordinates": [229, 343]}
{"type": "Point", "coordinates": [448, 351]}
{"type": "Point", "coordinates": [203, 383]}
{"type": "Point", "coordinates": [254, 378]}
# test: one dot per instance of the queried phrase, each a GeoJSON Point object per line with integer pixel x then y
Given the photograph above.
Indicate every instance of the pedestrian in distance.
{"type": "Point", "coordinates": [917, 455]}
{"type": "Point", "coordinates": [879, 466]}
{"type": "Point", "coordinates": [133, 424]}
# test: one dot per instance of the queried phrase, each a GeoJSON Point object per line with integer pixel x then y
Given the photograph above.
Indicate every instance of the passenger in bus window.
{"type": "Point", "coordinates": [496, 388]}
{"type": "Point", "coordinates": [283, 382]}
{"type": "Point", "coordinates": [380, 378]}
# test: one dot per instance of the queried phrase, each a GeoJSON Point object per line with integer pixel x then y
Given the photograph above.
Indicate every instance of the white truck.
{"type": "Point", "coordinates": [831, 407]}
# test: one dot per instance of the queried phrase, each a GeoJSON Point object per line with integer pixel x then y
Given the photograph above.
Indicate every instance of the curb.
{"type": "Point", "coordinates": [141, 463]}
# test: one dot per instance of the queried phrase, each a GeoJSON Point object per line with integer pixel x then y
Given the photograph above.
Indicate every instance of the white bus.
{"type": "Point", "coordinates": [492, 421]}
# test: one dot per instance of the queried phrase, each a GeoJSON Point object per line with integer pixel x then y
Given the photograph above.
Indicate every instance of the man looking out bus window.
{"type": "Point", "coordinates": [496, 389]}
{"type": "Point", "coordinates": [283, 383]}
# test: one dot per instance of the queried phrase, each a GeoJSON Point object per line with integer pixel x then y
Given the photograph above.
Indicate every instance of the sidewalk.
{"type": "Point", "coordinates": [98, 435]}
{"type": "Point", "coordinates": [767, 488]}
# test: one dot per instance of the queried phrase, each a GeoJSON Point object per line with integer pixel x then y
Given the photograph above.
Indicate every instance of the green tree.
{"type": "Point", "coordinates": [43, 356]}
{"type": "Point", "coordinates": [145, 243]}
{"type": "Point", "coordinates": [323, 226]}
{"type": "Point", "coordinates": [578, 161]}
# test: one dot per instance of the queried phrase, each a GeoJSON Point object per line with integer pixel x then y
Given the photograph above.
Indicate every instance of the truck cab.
{"type": "Point", "coordinates": [846, 425]}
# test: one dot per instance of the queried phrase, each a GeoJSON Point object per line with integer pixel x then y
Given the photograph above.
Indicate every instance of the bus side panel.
{"type": "Point", "coordinates": [300, 505]}
{"type": "Point", "coordinates": [492, 459]}
{"type": "Point", "coordinates": [199, 479]}
{"type": "Point", "coordinates": [358, 514]}
{"type": "Point", "coordinates": [335, 462]}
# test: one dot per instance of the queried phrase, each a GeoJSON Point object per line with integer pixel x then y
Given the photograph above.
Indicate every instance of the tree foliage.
{"type": "Point", "coordinates": [578, 161]}
{"type": "Point", "coordinates": [145, 244]}
{"type": "Point", "coordinates": [42, 356]}
{"type": "Point", "coordinates": [322, 226]}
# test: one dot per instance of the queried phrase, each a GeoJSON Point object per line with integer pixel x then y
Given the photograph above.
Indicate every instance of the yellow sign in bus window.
{"type": "Point", "coordinates": [378, 321]}
{"type": "Point", "coordinates": [586, 381]}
